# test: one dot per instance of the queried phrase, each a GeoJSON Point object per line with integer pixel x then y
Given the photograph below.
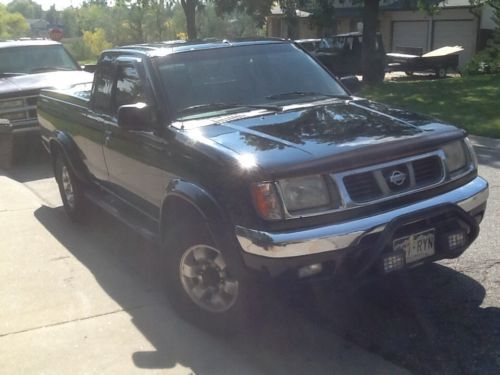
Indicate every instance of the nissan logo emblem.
{"type": "Point", "coordinates": [397, 178]}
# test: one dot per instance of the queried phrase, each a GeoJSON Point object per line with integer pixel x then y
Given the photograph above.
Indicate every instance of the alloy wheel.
{"type": "Point", "coordinates": [205, 278]}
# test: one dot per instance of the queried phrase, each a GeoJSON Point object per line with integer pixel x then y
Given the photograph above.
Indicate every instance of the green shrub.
{"type": "Point", "coordinates": [79, 50]}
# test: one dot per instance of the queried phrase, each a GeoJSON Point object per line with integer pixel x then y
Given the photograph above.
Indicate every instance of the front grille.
{"type": "Point", "coordinates": [362, 187]}
{"type": "Point", "coordinates": [391, 179]}
{"type": "Point", "coordinates": [427, 171]}
{"type": "Point", "coordinates": [25, 111]}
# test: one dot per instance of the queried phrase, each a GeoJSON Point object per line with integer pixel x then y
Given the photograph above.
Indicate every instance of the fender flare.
{"type": "Point", "coordinates": [68, 147]}
{"type": "Point", "coordinates": [203, 202]}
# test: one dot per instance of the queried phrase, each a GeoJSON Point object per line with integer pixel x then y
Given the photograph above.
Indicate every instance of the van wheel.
{"type": "Point", "coordinates": [70, 188]}
{"type": "Point", "coordinates": [207, 285]}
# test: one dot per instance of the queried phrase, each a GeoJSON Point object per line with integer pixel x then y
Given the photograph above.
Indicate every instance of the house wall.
{"type": "Point", "coordinates": [277, 27]}
{"type": "Point", "coordinates": [305, 29]}
{"type": "Point", "coordinates": [455, 26]}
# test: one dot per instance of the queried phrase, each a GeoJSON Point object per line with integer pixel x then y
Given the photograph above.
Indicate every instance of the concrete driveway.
{"type": "Point", "coordinates": [87, 299]}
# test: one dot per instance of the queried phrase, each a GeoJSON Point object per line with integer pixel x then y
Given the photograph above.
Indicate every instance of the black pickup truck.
{"type": "Point", "coordinates": [247, 160]}
{"type": "Point", "coordinates": [26, 66]}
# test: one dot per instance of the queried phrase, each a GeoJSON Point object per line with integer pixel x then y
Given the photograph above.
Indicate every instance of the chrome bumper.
{"type": "Point", "coordinates": [340, 236]}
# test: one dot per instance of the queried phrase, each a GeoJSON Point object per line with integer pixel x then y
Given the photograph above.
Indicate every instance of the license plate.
{"type": "Point", "coordinates": [416, 246]}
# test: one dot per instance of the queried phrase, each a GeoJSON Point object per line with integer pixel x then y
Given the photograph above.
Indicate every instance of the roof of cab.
{"type": "Point", "coordinates": [27, 42]}
{"type": "Point", "coordinates": [174, 46]}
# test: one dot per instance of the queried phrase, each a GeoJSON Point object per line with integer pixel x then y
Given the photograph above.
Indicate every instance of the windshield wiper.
{"type": "Point", "coordinates": [295, 94]}
{"type": "Point", "coordinates": [210, 106]}
{"type": "Point", "coordinates": [48, 69]}
{"type": "Point", "coordinates": [11, 74]}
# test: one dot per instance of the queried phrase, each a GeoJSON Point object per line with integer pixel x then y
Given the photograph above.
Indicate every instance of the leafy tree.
{"type": "Point", "coordinates": [69, 19]}
{"type": "Point", "coordinates": [257, 9]}
{"type": "Point", "coordinates": [28, 8]}
{"type": "Point", "coordinates": [12, 25]}
{"type": "Point", "coordinates": [96, 41]}
{"type": "Point", "coordinates": [235, 24]}
{"type": "Point", "coordinates": [323, 15]}
{"type": "Point", "coordinates": [487, 60]}
{"type": "Point", "coordinates": [52, 15]}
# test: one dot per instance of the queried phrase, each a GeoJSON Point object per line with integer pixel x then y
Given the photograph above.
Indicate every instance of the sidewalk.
{"type": "Point", "coordinates": [69, 304]}
{"type": "Point", "coordinates": [487, 142]}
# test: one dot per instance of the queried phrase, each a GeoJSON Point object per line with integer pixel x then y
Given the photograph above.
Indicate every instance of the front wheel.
{"type": "Point", "coordinates": [209, 286]}
{"type": "Point", "coordinates": [70, 188]}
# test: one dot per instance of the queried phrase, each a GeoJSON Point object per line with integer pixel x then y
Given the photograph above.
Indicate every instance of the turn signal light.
{"type": "Point", "coordinates": [266, 201]}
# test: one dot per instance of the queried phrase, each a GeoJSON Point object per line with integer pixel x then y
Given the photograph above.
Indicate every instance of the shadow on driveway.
{"type": "Point", "coordinates": [428, 320]}
{"type": "Point", "coordinates": [284, 342]}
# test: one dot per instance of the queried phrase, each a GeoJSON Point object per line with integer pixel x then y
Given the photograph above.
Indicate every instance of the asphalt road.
{"type": "Point", "coordinates": [439, 319]}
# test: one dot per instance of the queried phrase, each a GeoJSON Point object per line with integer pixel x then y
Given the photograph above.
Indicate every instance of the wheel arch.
{"type": "Point", "coordinates": [62, 143]}
{"type": "Point", "coordinates": [186, 201]}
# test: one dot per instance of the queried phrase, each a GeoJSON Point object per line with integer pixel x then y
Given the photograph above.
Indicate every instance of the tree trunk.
{"type": "Point", "coordinates": [370, 60]}
{"type": "Point", "coordinates": [189, 7]}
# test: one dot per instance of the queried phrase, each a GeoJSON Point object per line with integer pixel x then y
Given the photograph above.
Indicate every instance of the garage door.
{"type": "Point", "coordinates": [453, 33]}
{"type": "Point", "coordinates": [410, 34]}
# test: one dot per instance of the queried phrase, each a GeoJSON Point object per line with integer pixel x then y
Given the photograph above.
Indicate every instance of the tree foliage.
{"type": "Point", "coordinates": [488, 60]}
{"type": "Point", "coordinates": [12, 25]}
{"type": "Point", "coordinates": [96, 41]}
{"type": "Point", "coordinates": [28, 8]}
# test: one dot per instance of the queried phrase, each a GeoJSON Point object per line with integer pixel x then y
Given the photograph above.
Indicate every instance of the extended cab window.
{"type": "Point", "coordinates": [129, 88]}
{"type": "Point", "coordinates": [103, 87]}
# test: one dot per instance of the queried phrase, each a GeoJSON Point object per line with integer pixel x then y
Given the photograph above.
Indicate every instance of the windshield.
{"type": "Point", "coordinates": [35, 59]}
{"type": "Point", "coordinates": [244, 75]}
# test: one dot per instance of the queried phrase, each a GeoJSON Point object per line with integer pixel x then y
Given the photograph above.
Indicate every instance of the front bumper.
{"type": "Point", "coordinates": [323, 242]}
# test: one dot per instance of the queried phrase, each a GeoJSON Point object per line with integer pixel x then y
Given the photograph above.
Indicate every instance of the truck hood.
{"type": "Point", "coordinates": [336, 136]}
{"type": "Point", "coordinates": [11, 86]}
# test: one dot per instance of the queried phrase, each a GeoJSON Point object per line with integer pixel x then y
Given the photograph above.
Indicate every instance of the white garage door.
{"type": "Point", "coordinates": [410, 34]}
{"type": "Point", "coordinates": [453, 33]}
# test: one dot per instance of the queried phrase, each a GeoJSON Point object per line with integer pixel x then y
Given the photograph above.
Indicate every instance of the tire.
{"type": "Point", "coordinates": [441, 72]}
{"type": "Point", "coordinates": [409, 73]}
{"type": "Point", "coordinates": [70, 188]}
{"type": "Point", "coordinates": [209, 286]}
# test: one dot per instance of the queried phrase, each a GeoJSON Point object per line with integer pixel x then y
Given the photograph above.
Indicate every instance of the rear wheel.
{"type": "Point", "coordinates": [208, 285]}
{"type": "Point", "coordinates": [70, 188]}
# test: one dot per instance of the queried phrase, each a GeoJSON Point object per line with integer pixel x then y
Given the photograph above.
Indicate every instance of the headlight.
{"type": "Point", "coordinates": [297, 194]}
{"type": "Point", "coordinates": [456, 158]}
{"type": "Point", "coordinates": [304, 193]}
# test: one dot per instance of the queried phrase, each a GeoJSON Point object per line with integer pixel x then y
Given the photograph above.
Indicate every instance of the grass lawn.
{"type": "Point", "coordinates": [472, 102]}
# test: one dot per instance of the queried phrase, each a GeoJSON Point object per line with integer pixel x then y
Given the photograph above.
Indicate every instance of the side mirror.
{"type": "Point", "coordinates": [91, 68]}
{"type": "Point", "coordinates": [351, 83]}
{"type": "Point", "coordinates": [134, 116]}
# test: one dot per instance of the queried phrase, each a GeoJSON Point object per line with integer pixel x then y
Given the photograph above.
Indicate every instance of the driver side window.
{"type": "Point", "coordinates": [129, 88]}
